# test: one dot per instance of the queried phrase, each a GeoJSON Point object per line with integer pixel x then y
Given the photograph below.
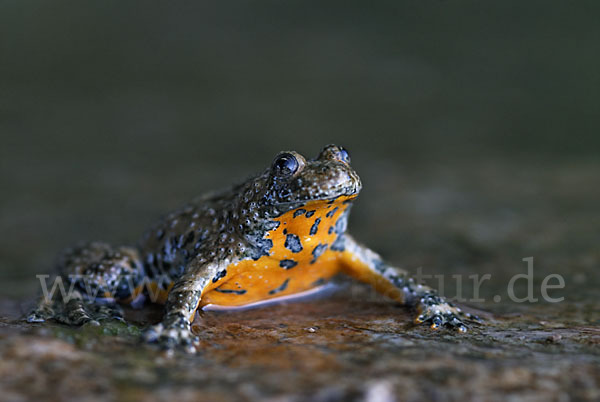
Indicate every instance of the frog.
{"type": "Point", "coordinates": [278, 234]}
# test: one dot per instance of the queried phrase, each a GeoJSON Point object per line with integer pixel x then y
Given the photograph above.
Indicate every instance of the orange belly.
{"type": "Point", "coordinates": [254, 281]}
{"type": "Point", "coordinates": [251, 281]}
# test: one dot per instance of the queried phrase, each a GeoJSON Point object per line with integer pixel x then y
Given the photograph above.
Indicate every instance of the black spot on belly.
{"type": "Point", "coordinates": [330, 231]}
{"type": "Point", "coordinates": [287, 264]}
{"type": "Point", "coordinates": [292, 243]}
{"type": "Point", "coordinates": [263, 247]}
{"type": "Point", "coordinates": [231, 291]}
{"type": "Point", "coordinates": [332, 212]}
{"type": "Point", "coordinates": [310, 213]}
{"type": "Point", "coordinates": [315, 227]}
{"type": "Point", "coordinates": [280, 288]}
{"type": "Point", "coordinates": [299, 212]}
{"type": "Point", "coordinates": [318, 251]}
{"type": "Point", "coordinates": [219, 275]}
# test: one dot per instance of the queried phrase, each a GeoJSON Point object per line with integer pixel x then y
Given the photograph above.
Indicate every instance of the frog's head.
{"type": "Point", "coordinates": [294, 180]}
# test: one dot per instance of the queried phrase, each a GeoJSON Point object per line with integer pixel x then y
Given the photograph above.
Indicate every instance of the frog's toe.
{"type": "Point", "coordinates": [439, 315]}
{"type": "Point", "coordinates": [72, 313]}
{"type": "Point", "coordinates": [108, 312]}
{"type": "Point", "coordinates": [439, 320]}
{"type": "Point", "coordinates": [43, 311]}
{"type": "Point", "coordinates": [172, 337]}
{"type": "Point", "coordinates": [76, 311]}
{"type": "Point", "coordinates": [40, 315]}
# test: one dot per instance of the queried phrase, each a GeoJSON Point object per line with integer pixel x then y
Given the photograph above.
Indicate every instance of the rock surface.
{"type": "Point", "coordinates": [473, 127]}
{"type": "Point", "coordinates": [327, 349]}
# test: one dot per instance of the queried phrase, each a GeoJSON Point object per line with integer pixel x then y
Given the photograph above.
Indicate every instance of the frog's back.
{"type": "Point", "coordinates": [198, 228]}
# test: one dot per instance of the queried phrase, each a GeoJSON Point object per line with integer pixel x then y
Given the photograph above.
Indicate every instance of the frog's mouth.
{"type": "Point", "coordinates": [343, 182]}
{"type": "Point", "coordinates": [346, 195]}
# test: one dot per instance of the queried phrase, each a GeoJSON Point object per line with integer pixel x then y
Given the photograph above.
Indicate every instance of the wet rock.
{"type": "Point", "coordinates": [353, 344]}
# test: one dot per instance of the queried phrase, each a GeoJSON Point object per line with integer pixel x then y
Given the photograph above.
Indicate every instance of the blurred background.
{"type": "Point", "coordinates": [474, 125]}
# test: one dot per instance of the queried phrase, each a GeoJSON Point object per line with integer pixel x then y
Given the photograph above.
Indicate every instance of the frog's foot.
{"type": "Point", "coordinates": [76, 311]}
{"type": "Point", "coordinates": [41, 313]}
{"type": "Point", "coordinates": [173, 332]}
{"type": "Point", "coordinates": [437, 312]}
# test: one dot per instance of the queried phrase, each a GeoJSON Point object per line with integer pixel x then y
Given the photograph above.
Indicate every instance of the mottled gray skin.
{"type": "Point", "coordinates": [193, 246]}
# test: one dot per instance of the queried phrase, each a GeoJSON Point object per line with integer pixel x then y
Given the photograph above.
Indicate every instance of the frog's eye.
{"type": "Point", "coordinates": [285, 164]}
{"type": "Point", "coordinates": [344, 154]}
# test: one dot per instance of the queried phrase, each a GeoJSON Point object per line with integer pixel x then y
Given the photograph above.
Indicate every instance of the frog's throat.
{"type": "Point", "coordinates": [282, 208]}
{"type": "Point", "coordinates": [300, 236]}
{"type": "Point", "coordinates": [302, 216]}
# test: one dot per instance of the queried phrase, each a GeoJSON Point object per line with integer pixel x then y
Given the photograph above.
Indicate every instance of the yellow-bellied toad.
{"type": "Point", "coordinates": [279, 233]}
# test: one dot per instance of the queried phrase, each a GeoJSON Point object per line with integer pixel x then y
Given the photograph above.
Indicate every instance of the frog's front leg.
{"type": "Point", "coordinates": [182, 303]}
{"type": "Point", "coordinates": [367, 266]}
